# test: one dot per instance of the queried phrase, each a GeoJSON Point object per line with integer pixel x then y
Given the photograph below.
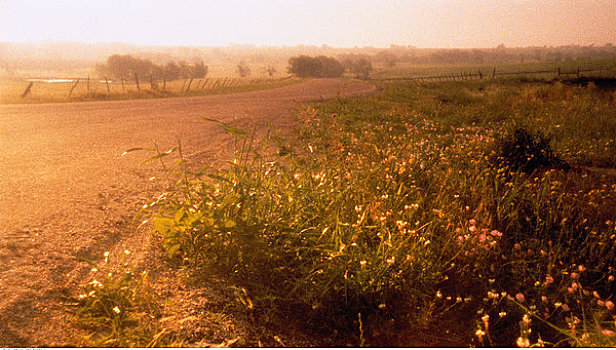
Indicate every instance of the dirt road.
{"type": "Point", "coordinates": [66, 191]}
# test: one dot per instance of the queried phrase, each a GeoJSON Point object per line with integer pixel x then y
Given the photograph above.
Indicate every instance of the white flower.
{"type": "Point", "coordinates": [116, 310]}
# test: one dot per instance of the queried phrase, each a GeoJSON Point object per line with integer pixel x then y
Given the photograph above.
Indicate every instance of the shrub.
{"type": "Point", "coordinates": [315, 67]}
{"type": "Point", "coordinates": [525, 151]}
{"type": "Point", "coordinates": [360, 67]}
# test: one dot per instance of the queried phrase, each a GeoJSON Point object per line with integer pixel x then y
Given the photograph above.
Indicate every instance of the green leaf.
{"type": "Point", "coordinates": [226, 127]}
{"type": "Point", "coordinates": [138, 149]}
{"type": "Point", "coordinates": [160, 155]}
{"type": "Point", "coordinates": [173, 249]}
{"type": "Point", "coordinates": [163, 225]}
{"type": "Point", "coordinates": [179, 215]}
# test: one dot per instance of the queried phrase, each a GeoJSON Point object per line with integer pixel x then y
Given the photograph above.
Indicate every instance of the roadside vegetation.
{"type": "Point", "coordinates": [451, 213]}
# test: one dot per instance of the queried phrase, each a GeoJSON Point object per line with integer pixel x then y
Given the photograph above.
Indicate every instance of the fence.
{"type": "Point", "coordinates": [558, 73]}
{"type": "Point", "coordinates": [107, 88]}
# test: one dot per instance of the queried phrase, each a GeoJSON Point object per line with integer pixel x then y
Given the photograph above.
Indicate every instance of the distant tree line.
{"type": "Point", "coordinates": [126, 66]}
{"type": "Point", "coordinates": [498, 55]}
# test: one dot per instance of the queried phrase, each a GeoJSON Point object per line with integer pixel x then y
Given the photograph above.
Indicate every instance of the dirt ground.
{"type": "Point", "coordinates": [67, 192]}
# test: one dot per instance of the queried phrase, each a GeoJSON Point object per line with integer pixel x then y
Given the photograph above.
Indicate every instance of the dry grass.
{"type": "Point", "coordinates": [54, 92]}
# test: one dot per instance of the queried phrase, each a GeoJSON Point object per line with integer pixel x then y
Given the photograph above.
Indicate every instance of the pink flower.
{"type": "Point", "coordinates": [608, 332]}
{"type": "Point", "coordinates": [549, 279]}
{"type": "Point", "coordinates": [581, 268]}
{"type": "Point", "coordinates": [334, 115]}
{"type": "Point", "coordinates": [600, 302]}
{"type": "Point", "coordinates": [496, 233]}
{"type": "Point", "coordinates": [472, 222]}
{"type": "Point", "coordinates": [517, 246]}
{"type": "Point", "coordinates": [575, 275]}
{"type": "Point", "coordinates": [596, 294]}
{"type": "Point", "coordinates": [544, 298]}
{"type": "Point", "coordinates": [520, 297]}
{"type": "Point", "coordinates": [609, 305]}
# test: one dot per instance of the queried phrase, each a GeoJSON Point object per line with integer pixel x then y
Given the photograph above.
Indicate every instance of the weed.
{"type": "Point", "coordinates": [118, 309]}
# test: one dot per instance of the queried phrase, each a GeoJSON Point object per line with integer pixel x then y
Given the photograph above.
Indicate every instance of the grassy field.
{"type": "Point", "coordinates": [608, 67]}
{"type": "Point", "coordinates": [11, 90]}
{"type": "Point", "coordinates": [434, 214]}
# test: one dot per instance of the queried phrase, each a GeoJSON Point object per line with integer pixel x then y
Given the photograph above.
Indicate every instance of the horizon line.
{"type": "Point", "coordinates": [323, 45]}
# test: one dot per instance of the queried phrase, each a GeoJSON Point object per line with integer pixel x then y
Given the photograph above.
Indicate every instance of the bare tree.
{"type": "Point", "coordinates": [243, 70]}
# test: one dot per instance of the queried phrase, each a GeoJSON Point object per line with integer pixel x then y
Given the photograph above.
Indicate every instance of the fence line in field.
{"type": "Point", "coordinates": [189, 85]}
{"type": "Point", "coordinates": [558, 72]}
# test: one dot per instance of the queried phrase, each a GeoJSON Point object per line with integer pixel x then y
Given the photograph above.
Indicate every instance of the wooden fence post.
{"type": "Point", "coordinates": [27, 91]}
{"type": "Point", "coordinates": [107, 82]}
{"type": "Point", "coordinates": [480, 75]}
{"type": "Point", "coordinates": [184, 84]}
{"type": "Point", "coordinates": [494, 73]}
{"type": "Point", "coordinates": [558, 71]}
{"type": "Point", "coordinates": [188, 87]}
{"type": "Point", "coordinates": [70, 93]}
{"type": "Point", "coordinates": [137, 82]}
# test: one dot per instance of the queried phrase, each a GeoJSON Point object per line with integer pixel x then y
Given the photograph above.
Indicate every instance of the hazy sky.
{"type": "Point", "coordinates": [423, 23]}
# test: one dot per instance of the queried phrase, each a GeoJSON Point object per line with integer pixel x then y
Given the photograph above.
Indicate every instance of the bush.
{"type": "Point", "coordinates": [360, 67]}
{"type": "Point", "coordinates": [526, 151]}
{"type": "Point", "coordinates": [315, 67]}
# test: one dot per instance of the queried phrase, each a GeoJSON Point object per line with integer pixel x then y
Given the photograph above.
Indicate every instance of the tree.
{"type": "Point", "coordinates": [359, 67]}
{"type": "Point", "coordinates": [270, 70]}
{"type": "Point", "coordinates": [243, 70]}
{"type": "Point", "coordinates": [315, 67]}
{"type": "Point", "coordinates": [199, 70]}
{"type": "Point", "coordinates": [126, 66]}
{"type": "Point", "coordinates": [387, 58]}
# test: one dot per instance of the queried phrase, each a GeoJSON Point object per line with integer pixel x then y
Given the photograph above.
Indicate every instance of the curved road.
{"type": "Point", "coordinates": [66, 191]}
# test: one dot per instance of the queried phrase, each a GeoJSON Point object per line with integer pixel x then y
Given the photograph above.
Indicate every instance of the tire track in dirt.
{"type": "Point", "coordinates": [66, 191]}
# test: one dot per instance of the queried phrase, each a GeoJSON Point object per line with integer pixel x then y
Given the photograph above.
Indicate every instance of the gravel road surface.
{"type": "Point", "coordinates": [66, 191]}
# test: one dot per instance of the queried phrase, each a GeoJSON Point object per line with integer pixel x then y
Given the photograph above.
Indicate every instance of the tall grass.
{"type": "Point", "coordinates": [396, 216]}
{"type": "Point", "coordinates": [118, 309]}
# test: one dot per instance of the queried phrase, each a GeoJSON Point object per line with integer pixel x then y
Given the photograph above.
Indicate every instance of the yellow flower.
{"type": "Point", "coordinates": [523, 342]}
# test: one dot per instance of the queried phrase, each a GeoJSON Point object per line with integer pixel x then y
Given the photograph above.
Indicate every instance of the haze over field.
{"type": "Point", "coordinates": [341, 23]}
